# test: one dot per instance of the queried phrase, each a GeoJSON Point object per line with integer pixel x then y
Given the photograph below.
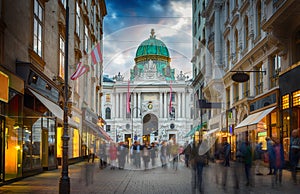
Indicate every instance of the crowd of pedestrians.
{"type": "Point", "coordinates": [137, 155]}
{"type": "Point", "coordinates": [253, 158]}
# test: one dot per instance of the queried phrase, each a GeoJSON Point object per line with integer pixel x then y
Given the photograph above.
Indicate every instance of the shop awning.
{"type": "Point", "coordinates": [54, 108]}
{"type": "Point", "coordinates": [192, 132]}
{"type": "Point", "coordinates": [252, 120]}
{"type": "Point", "coordinates": [212, 131]}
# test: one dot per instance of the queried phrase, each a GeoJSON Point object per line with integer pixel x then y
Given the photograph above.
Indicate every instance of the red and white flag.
{"type": "Point", "coordinates": [80, 70]}
{"type": "Point", "coordinates": [97, 54]}
{"type": "Point", "coordinates": [128, 98]}
{"type": "Point", "coordinates": [170, 103]}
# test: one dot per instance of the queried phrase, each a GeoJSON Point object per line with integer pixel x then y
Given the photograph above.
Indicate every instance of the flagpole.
{"type": "Point", "coordinates": [64, 183]}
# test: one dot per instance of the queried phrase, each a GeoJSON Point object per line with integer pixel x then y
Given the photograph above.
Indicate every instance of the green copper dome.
{"type": "Point", "coordinates": [152, 47]}
{"type": "Point", "coordinates": [152, 61]}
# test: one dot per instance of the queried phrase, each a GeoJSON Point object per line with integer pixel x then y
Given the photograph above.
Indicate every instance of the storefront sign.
{"type": "Point", "coordinates": [4, 87]}
{"type": "Point", "coordinates": [262, 134]}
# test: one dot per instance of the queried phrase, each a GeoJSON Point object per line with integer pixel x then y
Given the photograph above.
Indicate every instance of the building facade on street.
{"type": "Point", "coordinates": [32, 62]}
{"type": "Point", "coordinates": [247, 37]}
{"type": "Point", "coordinates": [154, 104]}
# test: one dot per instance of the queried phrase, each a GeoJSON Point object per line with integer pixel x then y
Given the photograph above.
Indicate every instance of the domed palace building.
{"type": "Point", "coordinates": [154, 104]}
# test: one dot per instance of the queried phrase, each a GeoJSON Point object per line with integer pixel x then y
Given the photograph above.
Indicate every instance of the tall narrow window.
{"type": "Point", "coordinates": [93, 15]}
{"type": "Point", "coordinates": [275, 69]}
{"type": "Point", "coordinates": [228, 10]}
{"type": "Point", "coordinates": [77, 19]}
{"type": "Point", "coordinates": [297, 48]}
{"type": "Point", "coordinates": [107, 113]}
{"type": "Point", "coordinates": [61, 57]}
{"type": "Point", "coordinates": [258, 12]}
{"type": "Point", "coordinates": [236, 92]}
{"type": "Point", "coordinates": [86, 39]}
{"type": "Point", "coordinates": [259, 81]}
{"type": "Point", "coordinates": [199, 19]}
{"type": "Point", "coordinates": [236, 36]}
{"type": "Point", "coordinates": [228, 53]}
{"type": "Point", "coordinates": [246, 89]}
{"type": "Point", "coordinates": [38, 28]}
{"type": "Point", "coordinates": [296, 98]}
{"type": "Point", "coordinates": [228, 97]}
{"type": "Point", "coordinates": [285, 101]}
{"type": "Point", "coordinates": [246, 32]}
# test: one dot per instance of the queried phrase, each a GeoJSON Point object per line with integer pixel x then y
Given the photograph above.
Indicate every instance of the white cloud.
{"type": "Point", "coordinates": [119, 53]}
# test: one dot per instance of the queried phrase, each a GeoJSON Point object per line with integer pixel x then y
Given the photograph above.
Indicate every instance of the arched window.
{"type": "Point", "coordinates": [107, 113]}
{"type": "Point", "coordinates": [258, 17]}
{"type": "Point", "coordinates": [246, 24]}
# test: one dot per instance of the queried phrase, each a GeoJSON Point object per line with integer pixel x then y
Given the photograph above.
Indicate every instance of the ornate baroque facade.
{"type": "Point", "coordinates": [150, 115]}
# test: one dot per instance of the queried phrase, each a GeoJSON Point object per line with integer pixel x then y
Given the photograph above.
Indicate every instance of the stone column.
{"type": "Point", "coordinates": [122, 107]}
{"type": "Point", "coordinates": [139, 104]}
{"type": "Point", "coordinates": [117, 105]}
{"type": "Point", "coordinates": [134, 105]}
{"type": "Point", "coordinates": [165, 105]}
{"type": "Point", "coordinates": [184, 115]}
{"type": "Point", "coordinates": [160, 107]}
{"type": "Point", "coordinates": [113, 108]}
{"type": "Point", "coordinates": [179, 104]}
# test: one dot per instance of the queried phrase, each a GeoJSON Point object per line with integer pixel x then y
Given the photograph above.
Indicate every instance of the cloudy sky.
{"type": "Point", "coordinates": [128, 23]}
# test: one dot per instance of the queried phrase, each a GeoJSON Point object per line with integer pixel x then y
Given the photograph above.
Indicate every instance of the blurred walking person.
{"type": "Point", "coordinates": [198, 161]}
{"type": "Point", "coordinates": [258, 155]}
{"type": "Point", "coordinates": [187, 153]}
{"type": "Point", "coordinates": [146, 154]}
{"type": "Point", "coordinates": [227, 153]}
{"type": "Point", "coordinates": [174, 154]}
{"type": "Point", "coordinates": [269, 151]}
{"type": "Point", "coordinates": [295, 153]}
{"type": "Point", "coordinates": [278, 161]}
{"type": "Point", "coordinates": [137, 148]}
{"type": "Point", "coordinates": [163, 154]}
{"type": "Point", "coordinates": [113, 155]}
{"type": "Point", "coordinates": [248, 162]}
{"type": "Point", "coordinates": [153, 151]}
{"type": "Point", "coordinates": [122, 152]}
{"type": "Point", "coordinates": [102, 155]}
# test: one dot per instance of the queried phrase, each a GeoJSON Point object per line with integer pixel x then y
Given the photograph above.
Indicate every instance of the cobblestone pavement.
{"type": "Point", "coordinates": [88, 178]}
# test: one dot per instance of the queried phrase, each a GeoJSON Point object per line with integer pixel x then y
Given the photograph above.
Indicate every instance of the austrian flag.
{"type": "Point", "coordinates": [80, 70]}
{"type": "Point", "coordinates": [96, 54]}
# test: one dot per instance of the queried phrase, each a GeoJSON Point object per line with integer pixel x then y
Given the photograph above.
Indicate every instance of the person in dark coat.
{"type": "Point", "coordinates": [247, 161]}
{"type": "Point", "coordinates": [227, 152]}
{"type": "Point", "coordinates": [198, 161]}
{"type": "Point", "coordinates": [187, 153]}
{"type": "Point", "coordinates": [269, 151]}
{"type": "Point", "coordinates": [258, 154]}
{"type": "Point", "coordinates": [122, 152]}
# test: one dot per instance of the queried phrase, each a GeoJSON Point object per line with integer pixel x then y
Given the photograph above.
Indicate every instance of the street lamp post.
{"type": "Point", "coordinates": [64, 183]}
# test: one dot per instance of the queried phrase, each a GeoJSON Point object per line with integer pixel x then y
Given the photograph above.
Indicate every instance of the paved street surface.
{"type": "Point", "coordinates": [88, 178]}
